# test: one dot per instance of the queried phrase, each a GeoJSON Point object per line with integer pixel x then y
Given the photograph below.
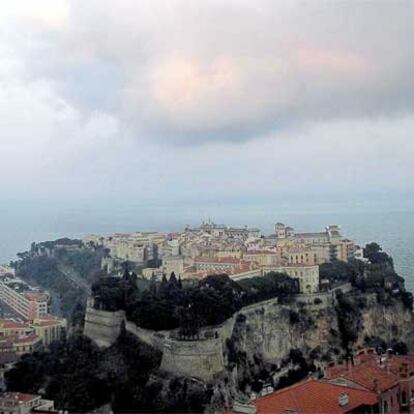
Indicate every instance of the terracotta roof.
{"type": "Point", "coordinates": [17, 396]}
{"type": "Point", "coordinates": [314, 397]}
{"type": "Point", "coordinates": [371, 372]}
{"type": "Point", "coordinates": [50, 322]}
{"type": "Point", "coordinates": [10, 324]}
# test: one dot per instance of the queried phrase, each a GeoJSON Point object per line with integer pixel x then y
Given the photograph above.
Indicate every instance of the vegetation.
{"type": "Point", "coordinates": [337, 272]}
{"type": "Point", "coordinates": [169, 305]}
{"type": "Point", "coordinates": [45, 265]}
{"type": "Point", "coordinates": [373, 252]}
{"type": "Point", "coordinates": [80, 377]}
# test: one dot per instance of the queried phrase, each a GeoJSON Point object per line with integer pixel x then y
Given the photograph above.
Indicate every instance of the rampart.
{"type": "Point", "coordinates": [202, 358]}
{"type": "Point", "coordinates": [103, 327]}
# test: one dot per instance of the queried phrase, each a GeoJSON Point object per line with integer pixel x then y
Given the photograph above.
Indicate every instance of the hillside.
{"type": "Point", "coordinates": [66, 268]}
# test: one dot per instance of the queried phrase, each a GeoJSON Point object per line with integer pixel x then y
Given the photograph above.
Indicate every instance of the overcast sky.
{"type": "Point", "coordinates": [193, 101]}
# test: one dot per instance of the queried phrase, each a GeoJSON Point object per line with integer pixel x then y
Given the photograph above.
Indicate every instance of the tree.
{"type": "Point", "coordinates": [373, 252]}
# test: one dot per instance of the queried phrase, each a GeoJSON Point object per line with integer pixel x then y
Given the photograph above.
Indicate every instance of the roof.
{"type": "Point", "coordinates": [17, 396]}
{"type": "Point", "coordinates": [314, 397]}
{"type": "Point", "coordinates": [44, 323]}
{"type": "Point", "coordinates": [10, 324]}
{"type": "Point", "coordinates": [373, 372]}
{"type": "Point", "coordinates": [370, 377]}
{"type": "Point", "coordinates": [36, 296]}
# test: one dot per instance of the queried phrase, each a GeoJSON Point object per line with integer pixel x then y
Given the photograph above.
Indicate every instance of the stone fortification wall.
{"type": "Point", "coordinates": [201, 359]}
{"type": "Point", "coordinates": [103, 327]}
{"type": "Point", "coordinates": [268, 330]}
{"type": "Point", "coordinates": [155, 339]}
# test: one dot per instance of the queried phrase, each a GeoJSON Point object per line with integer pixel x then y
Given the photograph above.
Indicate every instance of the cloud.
{"type": "Point", "coordinates": [196, 72]}
{"type": "Point", "coordinates": [180, 102]}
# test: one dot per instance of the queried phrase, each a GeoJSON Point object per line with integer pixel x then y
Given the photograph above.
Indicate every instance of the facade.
{"type": "Point", "coordinates": [26, 337]}
{"type": "Point", "coordinates": [172, 264]}
{"type": "Point", "coordinates": [29, 305]}
{"type": "Point", "coordinates": [323, 246]}
{"type": "Point", "coordinates": [219, 264]}
{"type": "Point", "coordinates": [26, 344]}
{"type": "Point", "coordinates": [308, 276]}
{"type": "Point", "coordinates": [152, 272]}
{"type": "Point", "coordinates": [262, 258]}
{"type": "Point", "coordinates": [49, 330]}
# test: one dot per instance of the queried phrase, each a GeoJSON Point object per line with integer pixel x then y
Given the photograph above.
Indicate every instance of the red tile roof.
{"type": "Point", "coordinates": [10, 324]}
{"type": "Point", "coordinates": [17, 396]}
{"type": "Point", "coordinates": [370, 373]}
{"type": "Point", "coordinates": [314, 397]}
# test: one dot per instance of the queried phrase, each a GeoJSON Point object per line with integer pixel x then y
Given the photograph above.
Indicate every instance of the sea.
{"type": "Point", "coordinates": [390, 226]}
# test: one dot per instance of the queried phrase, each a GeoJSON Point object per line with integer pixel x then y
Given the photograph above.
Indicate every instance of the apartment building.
{"type": "Point", "coordinates": [49, 329]}
{"type": "Point", "coordinates": [28, 304]}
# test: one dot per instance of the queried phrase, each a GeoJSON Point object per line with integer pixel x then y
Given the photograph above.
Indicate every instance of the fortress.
{"type": "Point", "coordinates": [205, 357]}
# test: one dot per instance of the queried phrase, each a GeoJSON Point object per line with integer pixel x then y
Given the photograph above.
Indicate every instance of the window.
{"type": "Point", "coordinates": [403, 398]}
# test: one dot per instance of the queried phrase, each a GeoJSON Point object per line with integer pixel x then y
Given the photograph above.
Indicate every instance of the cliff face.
{"type": "Point", "coordinates": [262, 339]}
{"type": "Point", "coordinates": [259, 339]}
{"type": "Point", "coordinates": [388, 323]}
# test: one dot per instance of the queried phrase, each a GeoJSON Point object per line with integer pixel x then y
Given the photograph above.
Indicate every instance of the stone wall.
{"type": "Point", "coordinates": [201, 359]}
{"type": "Point", "coordinates": [103, 327]}
{"type": "Point", "coordinates": [155, 339]}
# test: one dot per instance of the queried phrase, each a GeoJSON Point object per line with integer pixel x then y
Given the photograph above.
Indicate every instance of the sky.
{"type": "Point", "coordinates": [188, 102]}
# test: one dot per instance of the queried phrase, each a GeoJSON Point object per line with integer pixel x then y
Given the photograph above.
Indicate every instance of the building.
{"type": "Point", "coordinates": [308, 276]}
{"type": "Point", "coordinates": [26, 344]}
{"type": "Point", "coordinates": [390, 376]}
{"type": "Point", "coordinates": [172, 264]}
{"type": "Point", "coordinates": [262, 258]}
{"type": "Point", "coordinates": [27, 303]}
{"type": "Point", "coordinates": [49, 329]}
{"type": "Point", "coordinates": [19, 403]}
{"type": "Point", "coordinates": [10, 327]}
{"type": "Point", "coordinates": [25, 337]}
{"type": "Point", "coordinates": [312, 397]}
{"type": "Point", "coordinates": [220, 264]}
{"type": "Point", "coordinates": [324, 246]}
